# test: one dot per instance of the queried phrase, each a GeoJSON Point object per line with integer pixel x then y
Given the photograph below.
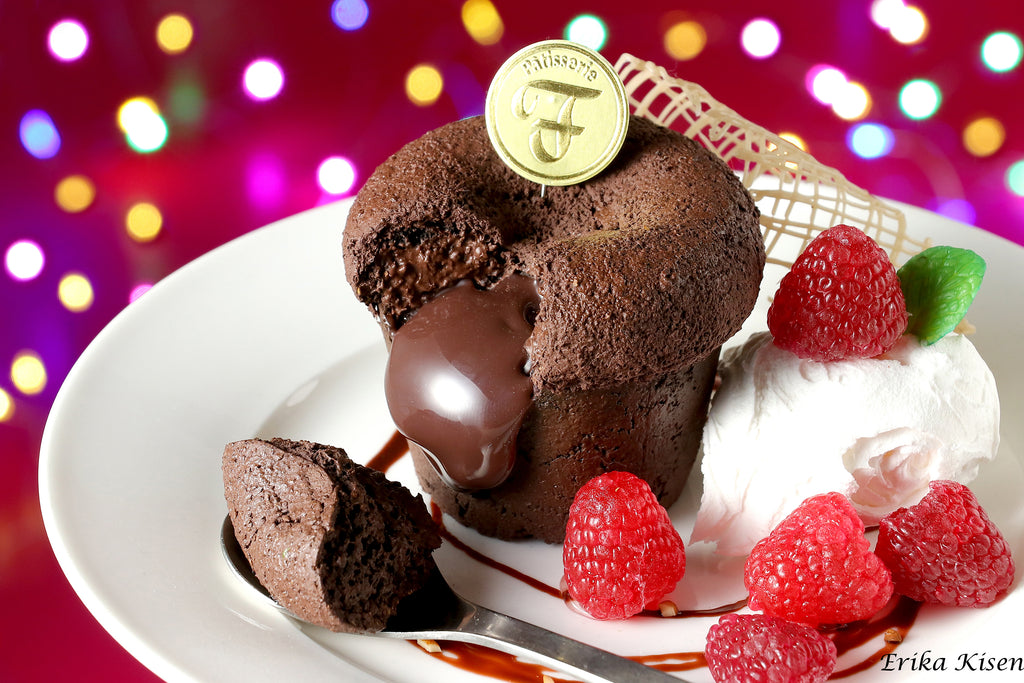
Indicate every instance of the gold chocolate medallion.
{"type": "Point", "coordinates": [556, 112]}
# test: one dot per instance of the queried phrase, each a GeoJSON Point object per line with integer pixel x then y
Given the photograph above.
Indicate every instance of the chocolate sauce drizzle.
{"type": "Point", "coordinates": [392, 451]}
{"type": "Point", "coordinates": [456, 381]}
{"type": "Point", "coordinates": [899, 615]}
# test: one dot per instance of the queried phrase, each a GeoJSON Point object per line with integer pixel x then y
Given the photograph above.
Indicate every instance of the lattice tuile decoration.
{"type": "Point", "coordinates": [798, 196]}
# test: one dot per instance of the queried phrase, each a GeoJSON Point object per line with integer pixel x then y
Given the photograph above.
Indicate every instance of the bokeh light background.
{"type": "Point", "coordinates": [135, 135]}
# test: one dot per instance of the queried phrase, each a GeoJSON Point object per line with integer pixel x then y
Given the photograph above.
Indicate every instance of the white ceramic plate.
{"type": "Point", "coordinates": [263, 337]}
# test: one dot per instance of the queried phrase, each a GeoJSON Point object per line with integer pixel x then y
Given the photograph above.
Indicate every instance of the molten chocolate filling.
{"type": "Point", "coordinates": [456, 380]}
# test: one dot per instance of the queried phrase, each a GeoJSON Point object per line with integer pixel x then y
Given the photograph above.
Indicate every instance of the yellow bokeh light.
{"type": "Point", "coordinates": [482, 21]}
{"type": "Point", "coordinates": [909, 26]}
{"type": "Point", "coordinates": [75, 292]}
{"type": "Point", "coordinates": [853, 102]}
{"type": "Point", "coordinates": [144, 127]}
{"type": "Point", "coordinates": [144, 222]}
{"type": "Point", "coordinates": [28, 373]}
{"type": "Point", "coordinates": [74, 193]}
{"type": "Point", "coordinates": [423, 84]}
{"type": "Point", "coordinates": [685, 40]}
{"type": "Point", "coordinates": [134, 110]}
{"type": "Point", "coordinates": [795, 140]}
{"type": "Point", "coordinates": [983, 137]}
{"type": "Point", "coordinates": [6, 406]}
{"type": "Point", "coordinates": [174, 33]}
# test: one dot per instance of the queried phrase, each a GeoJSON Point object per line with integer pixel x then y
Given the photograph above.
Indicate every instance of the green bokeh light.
{"type": "Point", "coordinates": [1015, 178]}
{"type": "Point", "coordinates": [1001, 51]}
{"type": "Point", "coordinates": [187, 102]}
{"type": "Point", "coordinates": [148, 135]}
{"type": "Point", "coordinates": [588, 30]}
{"type": "Point", "coordinates": [920, 99]}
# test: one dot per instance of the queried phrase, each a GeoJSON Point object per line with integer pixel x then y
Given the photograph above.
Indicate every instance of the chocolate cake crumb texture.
{"type": "Point", "coordinates": [643, 272]}
{"type": "Point", "coordinates": [645, 269]}
{"type": "Point", "coordinates": [336, 543]}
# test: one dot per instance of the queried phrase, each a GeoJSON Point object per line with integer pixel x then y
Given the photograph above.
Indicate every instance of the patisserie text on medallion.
{"type": "Point", "coordinates": [556, 113]}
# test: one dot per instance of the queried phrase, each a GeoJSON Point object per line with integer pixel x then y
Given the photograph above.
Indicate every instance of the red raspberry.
{"type": "Point", "coordinates": [751, 648]}
{"type": "Point", "coordinates": [945, 549]}
{"type": "Point", "coordinates": [816, 567]}
{"type": "Point", "coordinates": [621, 551]}
{"type": "Point", "coordinates": [841, 299]}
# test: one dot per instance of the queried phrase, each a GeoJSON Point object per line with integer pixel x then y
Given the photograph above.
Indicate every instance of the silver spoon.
{"type": "Point", "coordinates": [436, 612]}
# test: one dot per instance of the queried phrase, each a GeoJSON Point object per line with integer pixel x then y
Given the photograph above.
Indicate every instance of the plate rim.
{"type": "Point", "coordinates": [146, 652]}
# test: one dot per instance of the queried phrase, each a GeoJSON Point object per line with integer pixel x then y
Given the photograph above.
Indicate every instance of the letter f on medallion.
{"type": "Point", "coordinates": [553, 129]}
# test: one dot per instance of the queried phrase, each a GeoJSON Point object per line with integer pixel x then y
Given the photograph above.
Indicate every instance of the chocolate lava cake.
{"type": "Point", "coordinates": [335, 543]}
{"type": "Point", "coordinates": [640, 274]}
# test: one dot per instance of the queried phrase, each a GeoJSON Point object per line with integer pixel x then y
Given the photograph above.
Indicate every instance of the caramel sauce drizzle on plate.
{"type": "Point", "coordinates": [899, 615]}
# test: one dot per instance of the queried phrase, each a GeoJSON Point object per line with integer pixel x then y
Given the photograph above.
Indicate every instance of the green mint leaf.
{"type": "Point", "coordinates": [939, 285]}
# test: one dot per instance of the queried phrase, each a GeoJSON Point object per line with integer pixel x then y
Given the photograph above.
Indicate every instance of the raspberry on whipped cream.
{"type": "Point", "coordinates": [782, 429]}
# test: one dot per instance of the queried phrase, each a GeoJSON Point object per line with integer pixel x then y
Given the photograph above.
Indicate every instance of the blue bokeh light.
{"type": "Point", "coordinates": [870, 140]}
{"type": "Point", "coordinates": [39, 135]}
{"type": "Point", "coordinates": [350, 15]}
